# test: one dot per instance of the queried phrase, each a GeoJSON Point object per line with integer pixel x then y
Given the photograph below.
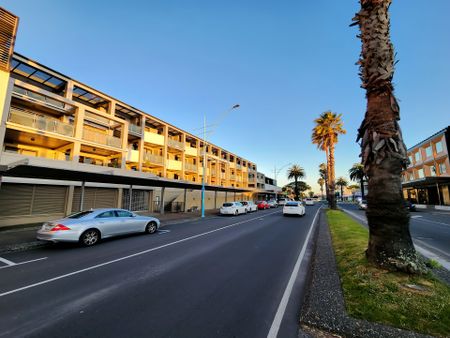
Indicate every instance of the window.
{"type": "Point", "coordinates": [106, 214]}
{"type": "Point", "coordinates": [411, 177]}
{"type": "Point", "coordinates": [123, 213]}
{"type": "Point", "coordinates": [428, 152]}
{"type": "Point", "coordinates": [420, 173]}
{"type": "Point", "coordinates": [417, 156]}
{"type": "Point", "coordinates": [438, 146]}
{"type": "Point", "coordinates": [410, 160]}
{"type": "Point", "coordinates": [80, 214]}
{"type": "Point", "coordinates": [433, 170]}
{"type": "Point", "coordinates": [442, 168]}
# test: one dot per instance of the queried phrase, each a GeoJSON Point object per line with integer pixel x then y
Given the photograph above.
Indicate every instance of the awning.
{"type": "Point", "coordinates": [426, 182]}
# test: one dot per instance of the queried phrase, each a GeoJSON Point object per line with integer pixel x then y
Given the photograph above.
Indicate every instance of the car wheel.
{"type": "Point", "coordinates": [90, 237]}
{"type": "Point", "coordinates": [236, 213]}
{"type": "Point", "coordinates": [151, 228]}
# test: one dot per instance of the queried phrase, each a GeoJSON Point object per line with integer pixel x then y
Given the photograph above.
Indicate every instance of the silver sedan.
{"type": "Point", "coordinates": [88, 227]}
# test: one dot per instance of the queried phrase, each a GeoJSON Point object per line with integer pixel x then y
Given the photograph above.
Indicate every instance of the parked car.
{"type": "Point", "coordinates": [282, 201]}
{"type": "Point", "coordinates": [272, 204]}
{"type": "Point", "coordinates": [294, 208]}
{"type": "Point", "coordinates": [232, 208]}
{"type": "Point", "coordinates": [249, 206]}
{"type": "Point", "coordinates": [262, 205]}
{"type": "Point", "coordinates": [362, 205]}
{"type": "Point", "coordinates": [309, 201]}
{"type": "Point", "coordinates": [410, 206]}
{"type": "Point", "coordinates": [90, 226]}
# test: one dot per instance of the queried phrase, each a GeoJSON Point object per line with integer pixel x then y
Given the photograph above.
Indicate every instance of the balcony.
{"type": "Point", "coordinates": [39, 122]}
{"type": "Point", "coordinates": [133, 156]}
{"type": "Point", "coordinates": [190, 167]}
{"type": "Point", "coordinates": [153, 138]}
{"type": "Point", "coordinates": [201, 171]}
{"type": "Point", "coordinates": [233, 177]}
{"type": "Point", "coordinates": [154, 159]}
{"type": "Point", "coordinates": [190, 151]}
{"type": "Point", "coordinates": [134, 129]}
{"type": "Point", "coordinates": [223, 176]}
{"type": "Point", "coordinates": [175, 144]}
{"type": "Point", "coordinates": [232, 165]}
{"type": "Point", "coordinates": [174, 165]}
{"type": "Point", "coordinates": [101, 138]}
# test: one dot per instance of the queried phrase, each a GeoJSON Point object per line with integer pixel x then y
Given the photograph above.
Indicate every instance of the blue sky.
{"type": "Point", "coordinates": [284, 62]}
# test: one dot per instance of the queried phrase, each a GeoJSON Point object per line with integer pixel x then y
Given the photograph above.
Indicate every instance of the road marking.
{"type": "Point", "coordinates": [273, 332]}
{"type": "Point", "coordinates": [416, 216]}
{"type": "Point", "coordinates": [7, 262]}
{"type": "Point", "coordinates": [21, 263]}
{"type": "Point", "coordinates": [46, 281]}
{"type": "Point", "coordinates": [427, 253]}
{"type": "Point", "coordinates": [161, 232]}
{"type": "Point", "coordinates": [435, 222]}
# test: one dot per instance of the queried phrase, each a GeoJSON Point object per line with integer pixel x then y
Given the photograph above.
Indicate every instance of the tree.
{"type": "Point", "coordinates": [383, 151]}
{"type": "Point", "coordinates": [311, 194]}
{"type": "Point", "coordinates": [342, 182]}
{"type": "Point", "coordinates": [301, 185]}
{"type": "Point", "coordinates": [321, 182]}
{"type": "Point", "coordinates": [295, 172]}
{"type": "Point", "coordinates": [357, 174]}
{"type": "Point", "coordinates": [325, 134]}
{"type": "Point", "coordinates": [324, 175]}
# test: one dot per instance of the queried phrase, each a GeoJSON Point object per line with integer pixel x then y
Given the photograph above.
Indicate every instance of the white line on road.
{"type": "Point", "coordinates": [7, 262]}
{"type": "Point", "coordinates": [125, 257]}
{"type": "Point", "coordinates": [426, 252]}
{"type": "Point", "coordinates": [161, 232]}
{"type": "Point", "coordinates": [21, 263]}
{"type": "Point", "coordinates": [273, 332]}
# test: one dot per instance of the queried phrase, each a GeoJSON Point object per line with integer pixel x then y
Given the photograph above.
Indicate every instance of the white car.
{"type": "Point", "coordinates": [232, 208]}
{"type": "Point", "coordinates": [249, 206]}
{"type": "Point", "coordinates": [282, 201]}
{"type": "Point", "coordinates": [293, 208]}
{"type": "Point", "coordinates": [309, 201]}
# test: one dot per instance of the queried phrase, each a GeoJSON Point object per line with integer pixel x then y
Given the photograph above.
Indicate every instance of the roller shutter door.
{"type": "Point", "coordinates": [139, 200]}
{"type": "Point", "coordinates": [94, 198]}
{"type": "Point", "coordinates": [49, 199]}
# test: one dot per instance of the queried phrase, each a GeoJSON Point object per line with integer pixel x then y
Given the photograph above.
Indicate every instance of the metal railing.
{"type": "Point", "coordinates": [156, 159]}
{"type": "Point", "coordinates": [175, 144]}
{"type": "Point", "coordinates": [101, 138]}
{"type": "Point", "coordinates": [40, 122]}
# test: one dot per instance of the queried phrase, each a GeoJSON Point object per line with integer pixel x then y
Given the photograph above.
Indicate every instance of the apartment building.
{"type": "Point", "coordinates": [52, 123]}
{"type": "Point", "coordinates": [427, 179]}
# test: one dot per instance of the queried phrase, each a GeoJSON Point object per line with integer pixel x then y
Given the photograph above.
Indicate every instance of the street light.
{"type": "Point", "coordinates": [276, 172]}
{"type": "Point", "coordinates": [204, 150]}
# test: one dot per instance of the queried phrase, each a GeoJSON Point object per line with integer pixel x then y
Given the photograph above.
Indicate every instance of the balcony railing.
{"type": "Point", "coordinates": [101, 138]}
{"type": "Point", "coordinates": [156, 159]}
{"type": "Point", "coordinates": [190, 167]}
{"type": "Point", "coordinates": [44, 123]}
{"type": "Point", "coordinates": [233, 177]}
{"type": "Point", "coordinates": [134, 129]}
{"type": "Point", "coordinates": [175, 144]}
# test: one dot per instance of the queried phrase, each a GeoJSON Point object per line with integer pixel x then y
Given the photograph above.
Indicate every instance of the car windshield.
{"type": "Point", "coordinates": [244, 203]}
{"type": "Point", "coordinates": [292, 204]}
{"type": "Point", "coordinates": [80, 214]}
{"type": "Point", "coordinates": [228, 204]}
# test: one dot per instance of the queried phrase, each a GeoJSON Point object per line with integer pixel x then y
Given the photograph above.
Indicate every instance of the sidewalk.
{"type": "Point", "coordinates": [20, 238]}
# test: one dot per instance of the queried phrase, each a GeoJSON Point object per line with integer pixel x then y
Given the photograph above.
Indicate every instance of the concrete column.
{"type": "Point", "coordinates": [119, 198]}
{"type": "Point", "coordinates": [112, 108]}
{"type": "Point", "coordinates": [124, 135]}
{"type": "Point", "coordinates": [234, 200]}
{"type": "Point", "coordinates": [130, 197]}
{"type": "Point", "coordinates": [215, 199]}
{"type": "Point", "coordinates": [166, 139]}
{"type": "Point", "coordinates": [79, 122]}
{"type": "Point", "coordinates": [142, 144]}
{"type": "Point", "coordinates": [226, 196]}
{"type": "Point", "coordinates": [69, 199]}
{"type": "Point", "coordinates": [69, 90]}
{"type": "Point", "coordinates": [184, 200]}
{"type": "Point", "coordinates": [161, 207]}
{"type": "Point", "coordinates": [82, 195]}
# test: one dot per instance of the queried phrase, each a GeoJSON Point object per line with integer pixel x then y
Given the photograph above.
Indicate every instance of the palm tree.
{"type": "Point", "coordinates": [325, 134]}
{"type": "Point", "coordinates": [357, 174]}
{"type": "Point", "coordinates": [295, 172]}
{"type": "Point", "coordinates": [321, 182]}
{"type": "Point", "coordinates": [342, 182]}
{"type": "Point", "coordinates": [383, 151]}
{"type": "Point", "coordinates": [324, 175]}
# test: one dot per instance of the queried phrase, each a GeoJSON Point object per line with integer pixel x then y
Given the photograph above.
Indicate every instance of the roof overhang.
{"type": "Point", "coordinates": [426, 182]}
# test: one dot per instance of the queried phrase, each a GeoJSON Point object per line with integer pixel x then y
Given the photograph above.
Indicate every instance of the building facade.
{"type": "Point", "coordinates": [427, 179]}
{"type": "Point", "coordinates": [53, 121]}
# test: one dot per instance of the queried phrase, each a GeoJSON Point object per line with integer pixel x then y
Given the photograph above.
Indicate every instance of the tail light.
{"type": "Point", "coordinates": [59, 227]}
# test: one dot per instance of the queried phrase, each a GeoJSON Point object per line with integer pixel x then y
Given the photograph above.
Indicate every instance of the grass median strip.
{"type": "Point", "coordinates": [415, 303]}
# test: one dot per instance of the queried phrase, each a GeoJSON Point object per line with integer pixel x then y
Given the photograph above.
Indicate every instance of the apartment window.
{"type": "Point", "coordinates": [417, 157]}
{"type": "Point", "coordinates": [420, 173]}
{"type": "Point", "coordinates": [410, 160]}
{"type": "Point", "coordinates": [433, 170]}
{"type": "Point", "coordinates": [442, 168]}
{"type": "Point", "coordinates": [438, 146]}
{"type": "Point", "coordinates": [428, 152]}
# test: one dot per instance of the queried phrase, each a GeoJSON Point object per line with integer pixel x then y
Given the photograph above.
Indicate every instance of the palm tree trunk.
{"type": "Point", "coordinates": [362, 188]}
{"type": "Point", "coordinates": [296, 187]}
{"type": "Point", "coordinates": [383, 151]}
{"type": "Point", "coordinates": [342, 193]}
{"type": "Point", "coordinates": [327, 152]}
{"type": "Point", "coordinates": [332, 178]}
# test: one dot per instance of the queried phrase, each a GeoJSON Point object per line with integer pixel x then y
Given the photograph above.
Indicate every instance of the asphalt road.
{"type": "Point", "coordinates": [430, 230]}
{"type": "Point", "coordinates": [218, 277]}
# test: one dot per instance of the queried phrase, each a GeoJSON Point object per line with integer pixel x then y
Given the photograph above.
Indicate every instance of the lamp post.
{"type": "Point", "coordinates": [276, 172]}
{"type": "Point", "coordinates": [205, 157]}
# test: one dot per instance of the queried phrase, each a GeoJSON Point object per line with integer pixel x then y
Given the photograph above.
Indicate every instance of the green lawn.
{"type": "Point", "coordinates": [381, 296]}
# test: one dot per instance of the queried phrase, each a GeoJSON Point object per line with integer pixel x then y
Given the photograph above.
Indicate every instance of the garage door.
{"type": "Point", "coordinates": [94, 198]}
{"type": "Point", "coordinates": [139, 200]}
